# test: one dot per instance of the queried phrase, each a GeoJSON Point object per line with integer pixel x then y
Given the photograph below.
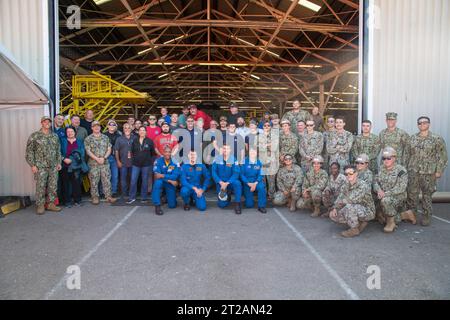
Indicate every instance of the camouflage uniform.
{"type": "Point", "coordinates": [368, 145]}
{"type": "Point", "coordinates": [354, 204]}
{"type": "Point", "coordinates": [294, 117]}
{"type": "Point", "coordinates": [288, 145]}
{"type": "Point", "coordinates": [286, 179]}
{"type": "Point", "coordinates": [366, 176]}
{"type": "Point", "coordinates": [326, 137]}
{"type": "Point", "coordinates": [269, 156]}
{"type": "Point", "coordinates": [427, 156]}
{"type": "Point", "coordinates": [397, 139]}
{"type": "Point", "coordinates": [338, 148]}
{"type": "Point", "coordinates": [310, 145]}
{"type": "Point", "coordinates": [333, 190]}
{"type": "Point", "coordinates": [44, 152]}
{"type": "Point", "coordinates": [393, 183]}
{"type": "Point", "coordinates": [99, 147]}
{"type": "Point", "coordinates": [316, 182]}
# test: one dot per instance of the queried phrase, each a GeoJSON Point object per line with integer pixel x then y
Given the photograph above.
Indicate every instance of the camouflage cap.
{"type": "Point", "coordinates": [391, 116]}
{"type": "Point", "coordinates": [95, 123]}
{"type": "Point", "coordinates": [288, 156]}
{"type": "Point", "coordinates": [389, 152]}
{"type": "Point", "coordinates": [285, 121]}
{"type": "Point", "coordinates": [112, 122]}
{"type": "Point", "coordinates": [317, 159]}
{"type": "Point", "coordinates": [46, 118]}
{"type": "Point", "coordinates": [362, 158]}
{"type": "Point", "coordinates": [274, 116]}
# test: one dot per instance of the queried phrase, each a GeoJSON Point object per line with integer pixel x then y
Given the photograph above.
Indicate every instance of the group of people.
{"type": "Point", "coordinates": [297, 161]}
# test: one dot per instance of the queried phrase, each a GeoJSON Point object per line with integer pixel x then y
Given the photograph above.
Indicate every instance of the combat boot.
{"type": "Point", "coordinates": [362, 226]}
{"type": "Point", "coordinates": [380, 217]}
{"type": "Point", "coordinates": [316, 212]}
{"type": "Point", "coordinates": [292, 205]}
{"type": "Point", "coordinates": [390, 225]}
{"type": "Point", "coordinates": [237, 208]}
{"type": "Point", "coordinates": [53, 207]}
{"type": "Point", "coordinates": [409, 216]}
{"type": "Point", "coordinates": [353, 232]}
{"type": "Point", "coordinates": [95, 200]}
{"type": "Point", "coordinates": [425, 220]}
{"type": "Point", "coordinates": [111, 199]}
{"type": "Point", "coordinates": [40, 210]}
{"type": "Point", "coordinates": [158, 211]}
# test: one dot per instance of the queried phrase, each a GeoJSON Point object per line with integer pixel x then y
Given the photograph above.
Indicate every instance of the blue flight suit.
{"type": "Point", "coordinates": [170, 172]}
{"type": "Point", "coordinates": [191, 176]}
{"type": "Point", "coordinates": [252, 172]}
{"type": "Point", "coordinates": [227, 171]}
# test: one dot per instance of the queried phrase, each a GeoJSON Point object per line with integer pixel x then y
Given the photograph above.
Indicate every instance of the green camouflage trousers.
{"type": "Point", "coordinates": [270, 181]}
{"type": "Point", "coordinates": [103, 173]}
{"type": "Point", "coordinates": [46, 182]}
{"type": "Point", "coordinates": [373, 166]}
{"type": "Point", "coordinates": [328, 198]}
{"type": "Point", "coordinates": [421, 182]}
{"type": "Point", "coordinates": [351, 214]}
{"type": "Point", "coordinates": [315, 197]}
{"type": "Point", "coordinates": [391, 206]}
{"type": "Point", "coordinates": [279, 199]}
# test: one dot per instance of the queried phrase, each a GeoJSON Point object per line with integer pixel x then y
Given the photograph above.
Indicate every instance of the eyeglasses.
{"type": "Point", "coordinates": [112, 124]}
{"type": "Point", "coordinates": [361, 162]}
{"type": "Point", "coordinates": [349, 174]}
{"type": "Point", "coordinates": [422, 122]}
{"type": "Point", "coordinates": [288, 159]}
{"type": "Point", "coordinates": [310, 125]}
{"type": "Point", "coordinates": [267, 125]}
{"type": "Point", "coordinates": [152, 119]}
{"type": "Point", "coordinates": [387, 158]}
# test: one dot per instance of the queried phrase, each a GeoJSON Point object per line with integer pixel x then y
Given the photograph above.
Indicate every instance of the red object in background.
{"type": "Point", "coordinates": [165, 140]}
{"type": "Point", "coordinates": [152, 133]}
{"type": "Point", "coordinates": [205, 117]}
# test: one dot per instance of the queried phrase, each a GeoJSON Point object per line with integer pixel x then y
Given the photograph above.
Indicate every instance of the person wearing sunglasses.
{"type": "Point", "coordinates": [289, 182]}
{"type": "Point", "coordinates": [427, 162]}
{"type": "Point", "coordinates": [390, 186]}
{"type": "Point", "coordinates": [395, 137]}
{"type": "Point", "coordinates": [354, 205]}
{"type": "Point", "coordinates": [153, 129]}
{"type": "Point", "coordinates": [368, 143]}
{"type": "Point", "coordinates": [364, 173]}
{"type": "Point", "coordinates": [310, 146]}
{"type": "Point", "coordinates": [339, 144]}
{"type": "Point", "coordinates": [315, 182]}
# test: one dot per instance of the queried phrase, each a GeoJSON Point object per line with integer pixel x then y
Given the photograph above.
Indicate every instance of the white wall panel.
{"type": "Point", "coordinates": [409, 65]}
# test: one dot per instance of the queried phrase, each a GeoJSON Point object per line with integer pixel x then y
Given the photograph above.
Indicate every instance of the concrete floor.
{"type": "Point", "coordinates": [130, 253]}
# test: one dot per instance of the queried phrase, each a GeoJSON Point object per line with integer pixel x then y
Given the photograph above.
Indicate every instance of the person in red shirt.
{"type": "Point", "coordinates": [152, 130]}
{"type": "Point", "coordinates": [165, 139]}
{"type": "Point", "coordinates": [197, 114]}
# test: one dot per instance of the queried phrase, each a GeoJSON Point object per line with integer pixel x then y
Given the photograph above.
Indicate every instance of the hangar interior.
{"type": "Point", "coordinates": [259, 54]}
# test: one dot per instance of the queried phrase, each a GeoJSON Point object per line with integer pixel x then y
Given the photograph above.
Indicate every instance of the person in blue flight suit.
{"type": "Point", "coordinates": [225, 172]}
{"type": "Point", "coordinates": [166, 175]}
{"type": "Point", "coordinates": [192, 186]}
{"type": "Point", "coordinates": [252, 179]}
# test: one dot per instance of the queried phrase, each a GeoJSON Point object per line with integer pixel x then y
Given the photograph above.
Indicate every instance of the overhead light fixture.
{"type": "Point", "coordinates": [210, 64]}
{"type": "Point", "coordinates": [252, 75]}
{"type": "Point", "coordinates": [177, 38]}
{"type": "Point", "coordinates": [163, 75]}
{"type": "Point", "coordinates": [99, 2]}
{"type": "Point", "coordinates": [147, 50]}
{"type": "Point", "coordinates": [309, 66]}
{"type": "Point", "coordinates": [236, 64]}
{"type": "Point", "coordinates": [253, 45]}
{"type": "Point", "coordinates": [185, 67]}
{"type": "Point", "coordinates": [353, 72]}
{"type": "Point", "coordinates": [310, 5]}
{"type": "Point", "coordinates": [157, 63]}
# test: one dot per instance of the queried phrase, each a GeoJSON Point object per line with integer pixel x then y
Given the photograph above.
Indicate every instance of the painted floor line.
{"type": "Point", "coordinates": [441, 219]}
{"type": "Point", "coordinates": [91, 252]}
{"type": "Point", "coordinates": [324, 263]}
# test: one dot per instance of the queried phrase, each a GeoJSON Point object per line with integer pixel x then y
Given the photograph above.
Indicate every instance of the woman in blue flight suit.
{"type": "Point", "coordinates": [166, 173]}
{"type": "Point", "coordinates": [191, 182]}
{"type": "Point", "coordinates": [252, 178]}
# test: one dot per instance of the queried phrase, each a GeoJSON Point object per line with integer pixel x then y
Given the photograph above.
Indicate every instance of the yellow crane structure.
{"type": "Point", "coordinates": [105, 96]}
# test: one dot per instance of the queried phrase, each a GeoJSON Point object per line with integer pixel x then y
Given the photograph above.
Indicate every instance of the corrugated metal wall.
{"type": "Point", "coordinates": [24, 33]}
{"type": "Point", "coordinates": [409, 65]}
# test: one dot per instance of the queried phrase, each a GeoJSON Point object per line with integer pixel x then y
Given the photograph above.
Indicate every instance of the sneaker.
{"type": "Point", "coordinates": [144, 201]}
{"type": "Point", "coordinates": [130, 201]}
{"type": "Point", "coordinates": [68, 206]}
{"type": "Point", "coordinates": [77, 204]}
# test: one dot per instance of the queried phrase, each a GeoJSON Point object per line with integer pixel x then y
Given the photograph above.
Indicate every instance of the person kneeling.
{"type": "Point", "coordinates": [166, 175]}
{"type": "Point", "coordinates": [251, 176]}
{"type": "Point", "coordinates": [289, 182]}
{"type": "Point", "coordinates": [192, 187]}
{"type": "Point", "coordinates": [354, 205]}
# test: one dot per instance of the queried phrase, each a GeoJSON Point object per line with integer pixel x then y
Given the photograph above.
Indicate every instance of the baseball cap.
{"type": "Point", "coordinates": [112, 122]}
{"type": "Point", "coordinates": [46, 118]}
{"type": "Point", "coordinates": [362, 158]}
{"type": "Point", "coordinates": [285, 121]}
{"type": "Point", "coordinates": [222, 118]}
{"type": "Point", "coordinates": [318, 159]}
{"type": "Point", "coordinates": [389, 152]}
{"type": "Point", "coordinates": [95, 123]}
{"type": "Point", "coordinates": [391, 116]}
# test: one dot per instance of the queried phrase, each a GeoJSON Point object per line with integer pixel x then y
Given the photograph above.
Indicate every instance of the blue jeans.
{"type": "Point", "coordinates": [135, 172]}
{"type": "Point", "coordinates": [114, 173]}
{"type": "Point", "coordinates": [124, 171]}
